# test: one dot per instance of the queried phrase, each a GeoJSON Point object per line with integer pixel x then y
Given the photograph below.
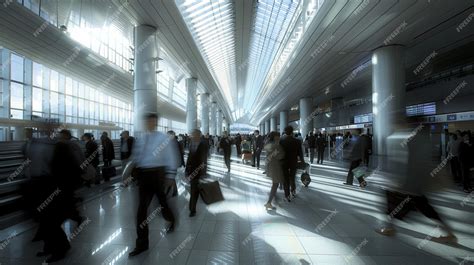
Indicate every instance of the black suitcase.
{"type": "Point", "coordinates": [305, 179]}
{"type": "Point", "coordinates": [108, 172]}
{"type": "Point", "coordinates": [210, 192]}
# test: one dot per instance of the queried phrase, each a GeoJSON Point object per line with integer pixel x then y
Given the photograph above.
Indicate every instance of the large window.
{"type": "Point", "coordinates": [16, 69]}
{"type": "Point", "coordinates": [37, 99]}
{"type": "Point", "coordinates": [16, 100]}
{"type": "Point", "coordinates": [54, 95]}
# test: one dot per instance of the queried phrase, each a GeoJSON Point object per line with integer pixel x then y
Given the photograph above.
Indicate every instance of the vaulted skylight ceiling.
{"type": "Point", "coordinates": [276, 29]}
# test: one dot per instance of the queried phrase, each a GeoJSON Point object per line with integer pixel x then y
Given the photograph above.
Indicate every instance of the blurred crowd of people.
{"type": "Point", "coordinates": [60, 164]}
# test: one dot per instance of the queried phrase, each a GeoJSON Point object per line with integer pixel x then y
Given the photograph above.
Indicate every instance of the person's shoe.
{"type": "Point", "coordinates": [170, 228]}
{"type": "Point", "coordinates": [137, 251]}
{"type": "Point", "coordinates": [55, 257]}
{"type": "Point", "coordinates": [445, 239]}
{"type": "Point", "coordinates": [192, 214]}
{"type": "Point", "coordinates": [347, 184]}
{"type": "Point", "coordinates": [288, 198]}
{"type": "Point", "coordinates": [264, 172]}
{"type": "Point", "coordinates": [269, 206]}
{"type": "Point", "coordinates": [386, 231]}
{"type": "Point", "coordinates": [253, 165]}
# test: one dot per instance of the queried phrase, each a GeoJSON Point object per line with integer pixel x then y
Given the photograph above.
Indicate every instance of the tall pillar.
{"type": "Point", "coordinates": [336, 112]}
{"type": "Point", "coordinates": [204, 113]}
{"type": "Point", "coordinates": [273, 124]}
{"type": "Point", "coordinates": [144, 84]}
{"type": "Point", "coordinates": [219, 123]}
{"type": "Point", "coordinates": [213, 127]}
{"type": "Point", "coordinates": [283, 121]}
{"type": "Point", "coordinates": [267, 127]}
{"type": "Point", "coordinates": [306, 121]}
{"type": "Point", "coordinates": [191, 106]}
{"type": "Point", "coordinates": [388, 93]}
{"type": "Point", "coordinates": [261, 128]}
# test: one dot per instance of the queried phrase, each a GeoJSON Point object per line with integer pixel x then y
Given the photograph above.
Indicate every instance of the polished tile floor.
{"type": "Point", "coordinates": [328, 223]}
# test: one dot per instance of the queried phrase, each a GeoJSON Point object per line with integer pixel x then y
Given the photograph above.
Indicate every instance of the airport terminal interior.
{"type": "Point", "coordinates": [270, 131]}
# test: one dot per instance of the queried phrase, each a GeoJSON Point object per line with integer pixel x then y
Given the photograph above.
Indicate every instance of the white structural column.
{"type": "Point", "coordinates": [204, 113]}
{"type": "Point", "coordinates": [191, 104]}
{"type": "Point", "coordinates": [261, 128]}
{"type": "Point", "coordinates": [388, 93]}
{"type": "Point", "coordinates": [306, 121]}
{"type": "Point", "coordinates": [213, 119]}
{"type": "Point", "coordinates": [273, 124]}
{"type": "Point", "coordinates": [267, 127]}
{"type": "Point", "coordinates": [145, 98]}
{"type": "Point", "coordinates": [219, 122]}
{"type": "Point", "coordinates": [283, 121]}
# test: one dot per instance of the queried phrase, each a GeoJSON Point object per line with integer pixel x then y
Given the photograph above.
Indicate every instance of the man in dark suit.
{"type": "Point", "coordinates": [126, 145]}
{"type": "Point", "coordinates": [92, 154]}
{"type": "Point", "coordinates": [257, 146]}
{"type": "Point", "coordinates": [293, 152]}
{"type": "Point", "coordinates": [196, 166]}
{"type": "Point", "coordinates": [226, 145]}
{"type": "Point", "coordinates": [320, 145]}
{"type": "Point", "coordinates": [108, 152]}
{"type": "Point", "coordinates": [238, 142]}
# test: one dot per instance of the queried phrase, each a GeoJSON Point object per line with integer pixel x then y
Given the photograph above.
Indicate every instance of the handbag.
{"type": "Point", "coordinates": [89, 173]}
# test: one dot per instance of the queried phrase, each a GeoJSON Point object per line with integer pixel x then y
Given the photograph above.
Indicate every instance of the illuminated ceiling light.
{"type": "Point", "coordinates": [374, 59]}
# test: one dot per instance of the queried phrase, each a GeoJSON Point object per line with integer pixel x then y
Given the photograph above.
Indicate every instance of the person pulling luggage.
{"type": "Point", "coordinates": [196, 167]}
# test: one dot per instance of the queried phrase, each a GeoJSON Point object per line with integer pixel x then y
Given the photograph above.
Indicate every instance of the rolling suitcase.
{"type": "Point", "coordinates": [108, 172]}
{"type": "Point", "coordinates": [210, 192]}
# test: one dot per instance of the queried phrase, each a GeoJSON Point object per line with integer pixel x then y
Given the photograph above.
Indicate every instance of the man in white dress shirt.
{"type": "Point", "coordinates": [156, 159]}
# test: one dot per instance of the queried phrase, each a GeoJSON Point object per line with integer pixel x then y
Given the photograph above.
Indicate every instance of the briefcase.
{"type": "Point", "coordinates": [108, 172]}
{"type": "Point", "coordinates": [210, 192]}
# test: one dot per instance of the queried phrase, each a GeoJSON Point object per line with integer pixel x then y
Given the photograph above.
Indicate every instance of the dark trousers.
{"type": "Point", "coordinates": [151, 183]}
{"type": "Point", "coordinates": [320, 155]}
{"type": "Point", "coordinates": [107, 163]}
{"type": "Point", "coordinates": [239, 150]}
{"type": "Point", "coordinates": [51, 218]}
{"type": "Point", "coordinates": [311, 154]}
{"type": "Point", "coordinates": [227, 159]}
{"type": "Point", "coordinates": [273, 192]}
{"type": "Point", "coordinates": [398, 205]}
{"type": "Point", "coordinates": [456, 169]}
{"type": "Point", "coordinates": [350, 174]}
{"type": "Point", "coordinates": [55, 240]}
{"type": "Point", "coordinates": [290, 183]}
{"type": "Point", "coordinates": [256, 157]}
{"type": "Point", "coordinates": [194, 194]}
{"type": "Point", "coordinates": [466, 178]}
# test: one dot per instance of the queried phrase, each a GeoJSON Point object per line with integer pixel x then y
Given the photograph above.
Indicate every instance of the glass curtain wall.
{"type": "Point", "coordinates": [57, 96]}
